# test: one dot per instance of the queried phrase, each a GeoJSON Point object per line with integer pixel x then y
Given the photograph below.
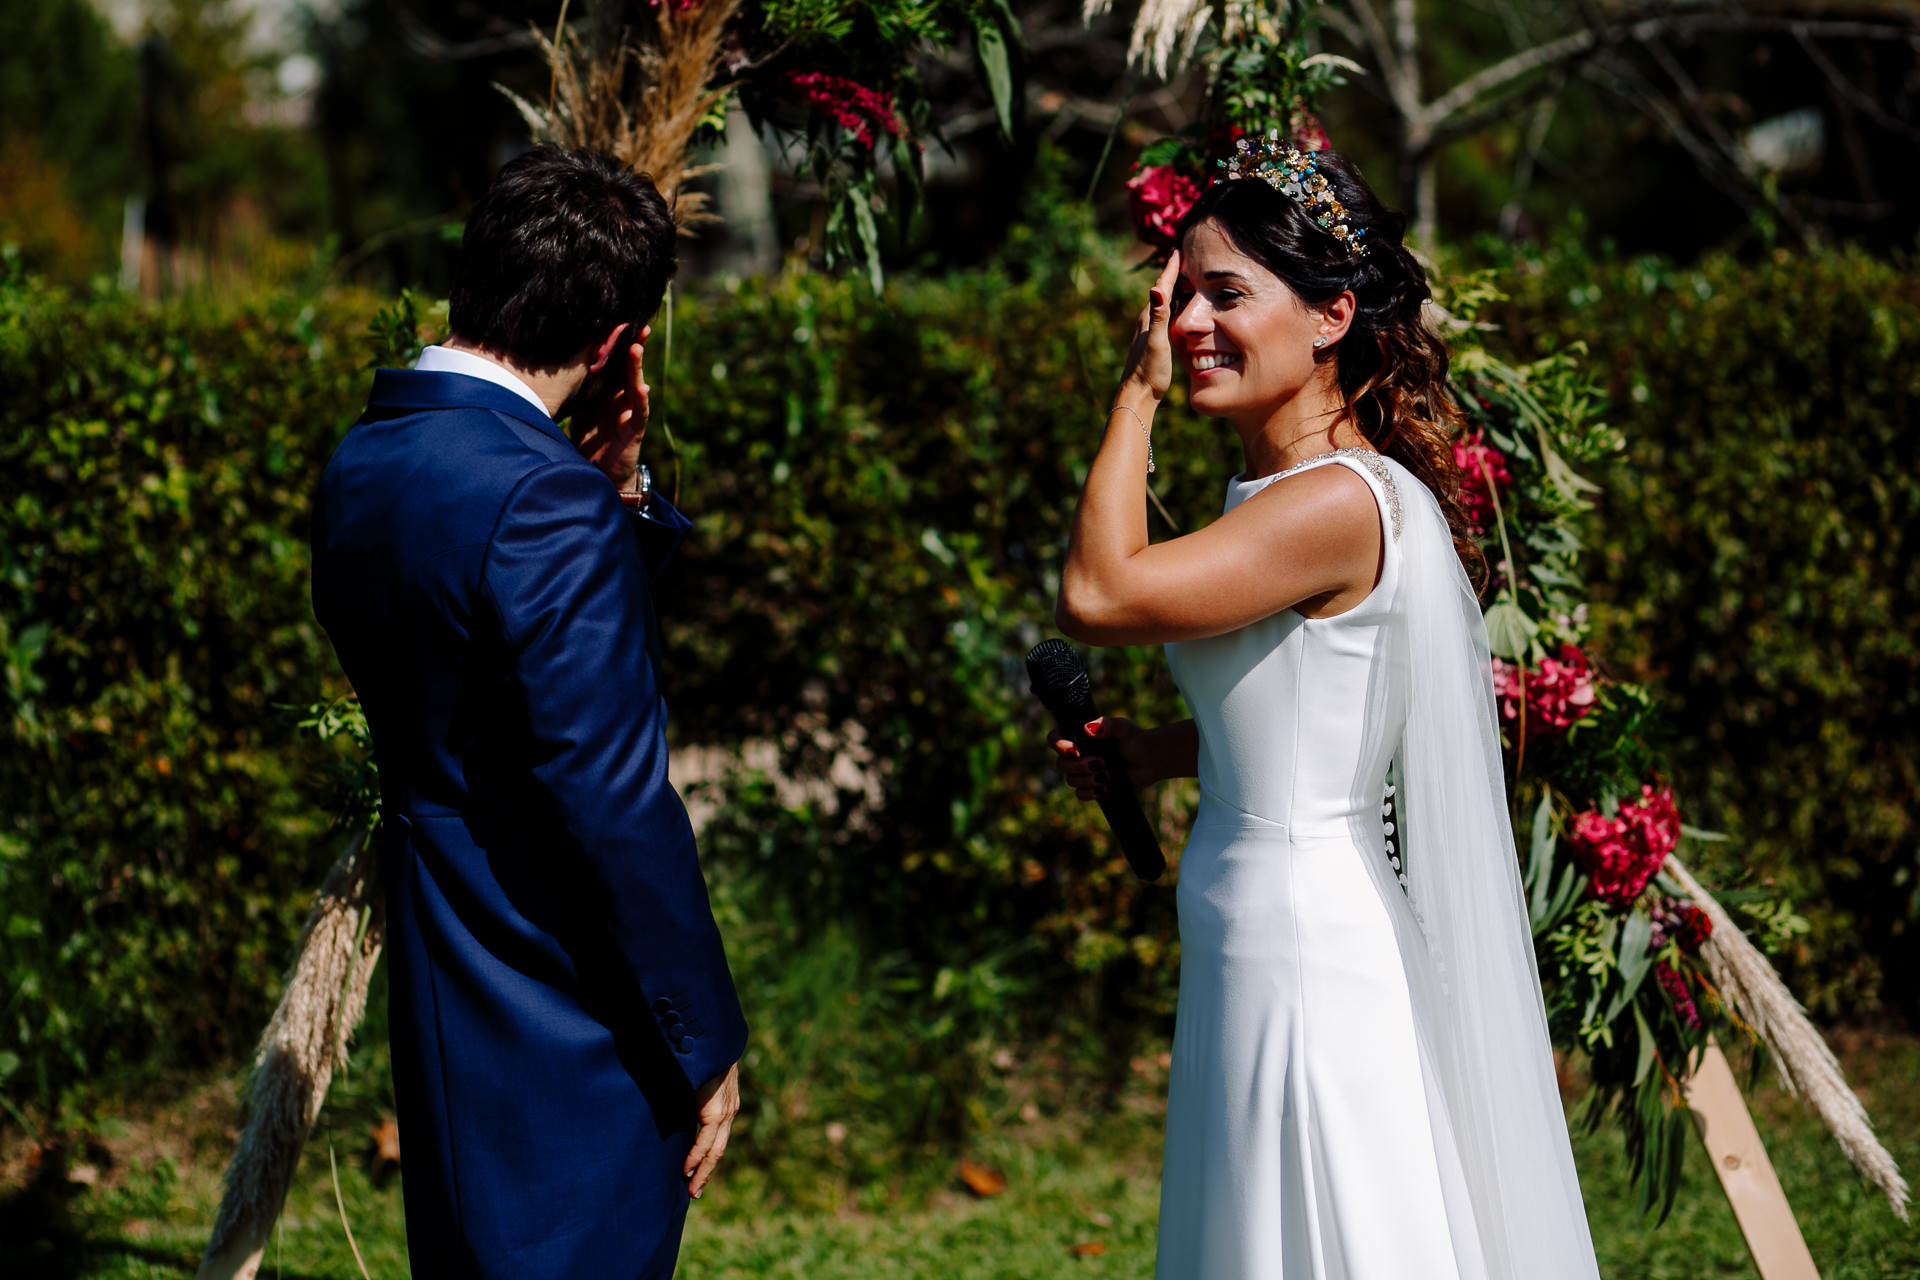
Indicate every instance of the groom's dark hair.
{"type": "Point", "coordinates": [563, 246]}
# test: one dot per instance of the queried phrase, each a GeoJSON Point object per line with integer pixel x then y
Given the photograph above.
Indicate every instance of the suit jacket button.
{"type": "Point", "coordinates": [671, 1019]}
{"type": "Point", "coordinates": [662, 1005]}
{"type": "Point", "coordinates": [684, 1044]}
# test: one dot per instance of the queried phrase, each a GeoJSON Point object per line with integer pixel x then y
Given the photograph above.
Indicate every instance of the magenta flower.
{"type": "Point", "coordinates": [1484, 472]}
{"type": "Point", "coordinates": [1674, 983]}
{"type": "Point", "coordinates": [1621, 854]}
{"type": "Point", "coordinates": [1557, 693]}
{"type": "Point", "coordinates": [851, 105]}
{"type": "Point", "coordinates": [1159, 197]}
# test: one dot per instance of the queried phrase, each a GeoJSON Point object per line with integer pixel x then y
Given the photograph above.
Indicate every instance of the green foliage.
{"type": "Point", "coordinates": [882, 488]}
{"type": "Point", "coordinates": [1268, 75]}
{"type": "Point", "coordinates": [355, 801]}
{"type": "Point", "coordinates": [1758, 569]}
{"type": "Point", "coordinates": [162, 824]}
{"type": "Point", "coordinates": [870, 48]}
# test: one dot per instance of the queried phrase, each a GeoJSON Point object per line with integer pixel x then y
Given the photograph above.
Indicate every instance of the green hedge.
{"type": "Point", "coordinates": [882, 490]}
{"type": "Point", "coordinates": [1760, 567]}
{"type": "Point", "coordinates": [153, 624]}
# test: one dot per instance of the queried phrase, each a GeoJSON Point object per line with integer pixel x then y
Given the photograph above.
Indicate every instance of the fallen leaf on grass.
{"type": "Point", "coordinates": [386, 1141]}
{"type": "Point", "coordinates": [982, 1181]}
{"type": "Point", "coordinates": [1088, 1249]}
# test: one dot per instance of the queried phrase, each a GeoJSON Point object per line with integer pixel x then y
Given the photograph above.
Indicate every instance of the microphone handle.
{"type": "Point", "coordinates": [1121, 805]}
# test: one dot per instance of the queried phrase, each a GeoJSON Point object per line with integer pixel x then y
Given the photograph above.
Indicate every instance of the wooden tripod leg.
{"type": "Point", "coordinates": [1733, 1143]}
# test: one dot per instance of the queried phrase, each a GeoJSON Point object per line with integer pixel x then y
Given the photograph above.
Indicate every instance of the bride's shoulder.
{"type": "Point", "coordinates": [1328, 500]}
{"type": "Point", "coordinates": [1328, 487]}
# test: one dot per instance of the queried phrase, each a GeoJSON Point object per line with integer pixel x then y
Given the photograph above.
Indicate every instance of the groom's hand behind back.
{"type": "Point", "coordinates": [716, 1103]}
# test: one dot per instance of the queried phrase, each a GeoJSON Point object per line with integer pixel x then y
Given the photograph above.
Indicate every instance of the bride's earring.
{"type": "Point", "coordinates": [1320, 342]}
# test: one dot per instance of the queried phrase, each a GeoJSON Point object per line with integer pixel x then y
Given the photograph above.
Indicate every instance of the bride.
{"type": "Point", "coordinates": [1362, 1087]}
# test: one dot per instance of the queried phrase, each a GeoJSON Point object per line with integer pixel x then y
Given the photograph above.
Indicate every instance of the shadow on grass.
{"type": "Point", "coordinates": [42, 1238]}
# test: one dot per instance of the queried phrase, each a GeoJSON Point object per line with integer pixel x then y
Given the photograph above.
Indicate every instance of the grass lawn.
{"type": "Point", "coordinates": [1080, 1201]}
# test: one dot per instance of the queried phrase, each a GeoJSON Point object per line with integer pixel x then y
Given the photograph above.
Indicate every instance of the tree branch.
{"type": "Point", "coordinates": [1404, 92]}
{"type": "Point", "coordinates": [1640, 25]}
{"type": "Point", "coordinates": [1624, 80]}
{"type": "Point", "coordinates": [1523, 166]}
{"type": "Point", "coordinates": [1846, 89]}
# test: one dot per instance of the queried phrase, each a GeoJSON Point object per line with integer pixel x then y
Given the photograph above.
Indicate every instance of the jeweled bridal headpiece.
{"type": "Point", "coordinates": [1293, 172]}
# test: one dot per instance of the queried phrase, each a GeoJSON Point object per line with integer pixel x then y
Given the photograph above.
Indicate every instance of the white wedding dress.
{"type": "Point", "coordinates": [1310, 1122]}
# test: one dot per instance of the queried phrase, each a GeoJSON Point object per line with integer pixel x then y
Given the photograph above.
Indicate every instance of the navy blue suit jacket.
{"type": "Point", "coordinates": [558, 985]}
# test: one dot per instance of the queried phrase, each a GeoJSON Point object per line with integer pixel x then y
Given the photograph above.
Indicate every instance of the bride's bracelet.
{"type": "Point", "coordinates": [1143, 429]}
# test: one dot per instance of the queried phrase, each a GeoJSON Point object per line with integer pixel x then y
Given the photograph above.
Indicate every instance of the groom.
{"type": "Point", "coordinates": [565, 1031]}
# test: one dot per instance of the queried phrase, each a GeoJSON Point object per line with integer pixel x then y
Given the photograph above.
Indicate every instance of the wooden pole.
{"type": "Point", "coordinates": [1746, 1175]}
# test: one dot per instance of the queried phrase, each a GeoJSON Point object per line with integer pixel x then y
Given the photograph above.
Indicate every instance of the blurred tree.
{"type": "Point", "coordinates": [1707, 76]}
{"type": "Point", "coordinates": [1799, 115]}
{"type": "Point", "coordinates": [67, 145]}
{"type": "Point", "coordinates": [220, 170]}
{"type": "Point", "coordinates": [411, 125]}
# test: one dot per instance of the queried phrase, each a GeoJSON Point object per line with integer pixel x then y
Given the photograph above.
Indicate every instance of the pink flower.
{"type": "Point", "coordinates": [1478, 461]}
{"type": "Point", "coordinates": [1674, 983]}
{"type": "Point", "coordinates": [1622, 853]}
{"type": "Point", "coordinates": [1558, 693]}
{"type": "Point", "coordinates": [1159, 197]}
{"type": "Point", "coordinates": [851, 105]}
{"type": "Point", "coordinates": [1308, 133]}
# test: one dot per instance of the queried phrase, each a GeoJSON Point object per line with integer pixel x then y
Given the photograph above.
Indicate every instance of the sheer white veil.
{"type": "Point", "coordinates": [1471, 970]}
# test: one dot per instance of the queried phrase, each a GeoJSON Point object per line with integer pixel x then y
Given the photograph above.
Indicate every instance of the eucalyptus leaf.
{"type": "Point", "coordinates": [1564, 477]}
{"type": "Point", "coordinates": [1635, 960]}
{"type": "Point", "coordinates": [1644, 1062]}
{"type": "Point", "coordinates": [1565, 893]}
{"type": "Point", "coordinates": [863, 221]}
{"type": "Point", "coordinates": [991, 44]}
{"type": "Point", "coordinates": [1540, 858]}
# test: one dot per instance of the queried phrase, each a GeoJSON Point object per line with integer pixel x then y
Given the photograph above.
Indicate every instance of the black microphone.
{"type": "Point", "coordinates": [1061, 683]}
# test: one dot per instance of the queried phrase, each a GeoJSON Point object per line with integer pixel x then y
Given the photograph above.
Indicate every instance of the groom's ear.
{"type": "Point", "coordinates": [603, 350]}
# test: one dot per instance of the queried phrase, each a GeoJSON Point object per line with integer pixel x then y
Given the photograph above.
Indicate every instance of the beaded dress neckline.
{"type": "Point", "coordinates": [1368, 458]}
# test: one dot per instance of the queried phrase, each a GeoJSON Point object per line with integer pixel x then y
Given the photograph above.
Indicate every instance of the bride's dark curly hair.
{"type": "Point", "coordinates": [1392, 367]}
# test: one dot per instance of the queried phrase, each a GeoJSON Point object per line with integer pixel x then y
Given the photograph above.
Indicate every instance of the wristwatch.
{"type": "Point", "coordinates": [636, 497]}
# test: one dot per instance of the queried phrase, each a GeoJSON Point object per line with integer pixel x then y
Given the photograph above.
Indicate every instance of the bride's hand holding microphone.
{"type": "Point", "coordinates": [1088, 774]}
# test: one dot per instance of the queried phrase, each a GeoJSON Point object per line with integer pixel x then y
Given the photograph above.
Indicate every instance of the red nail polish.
{"type": "Point", "coordinates": [1091, 728]}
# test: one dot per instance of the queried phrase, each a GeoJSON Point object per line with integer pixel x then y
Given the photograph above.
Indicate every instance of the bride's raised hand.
{"type": "Point", "coordinates": [1150, 360]}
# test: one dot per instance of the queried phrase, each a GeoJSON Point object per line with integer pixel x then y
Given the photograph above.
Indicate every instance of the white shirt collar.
{"type": "Point", "coordinates": [447, 360]}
